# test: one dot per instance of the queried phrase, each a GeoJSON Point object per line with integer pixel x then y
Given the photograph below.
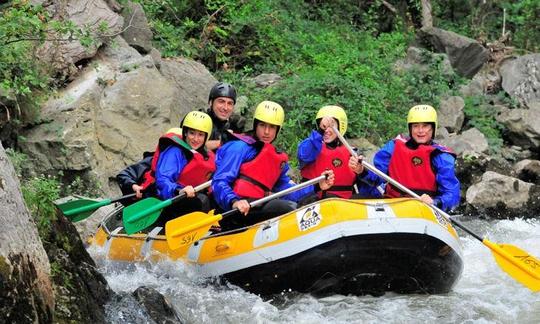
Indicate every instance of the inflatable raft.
{"type": "Point", "coordinates": [332, 246]}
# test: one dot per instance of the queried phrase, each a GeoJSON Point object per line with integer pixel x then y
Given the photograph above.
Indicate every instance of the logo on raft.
{"type": "Point", "coordinates": [308, 217]}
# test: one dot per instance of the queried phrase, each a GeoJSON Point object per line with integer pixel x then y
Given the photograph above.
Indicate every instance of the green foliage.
{"type": "Point", "coordinates": [480, 115]}
{"type": "Point", "coordinates": [39, 193]}
{"type": "Point", "coordinates": [19, 161]}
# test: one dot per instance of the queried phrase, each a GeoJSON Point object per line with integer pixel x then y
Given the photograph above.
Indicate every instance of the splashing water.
{"type": "Point", "coordinates": [484, 294]}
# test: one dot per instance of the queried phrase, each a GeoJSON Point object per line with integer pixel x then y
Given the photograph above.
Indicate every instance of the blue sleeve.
{"type": "Point", "coordinates": [381, 161]}
{"type": "Point", "coordinates": [170, 164]}
{"type": "Point", "coordinates": [309, 149]}
{"type": "Point", "coordinates": [229, 158]}
{"type": "Point", "coordinates": [448, 186]}
{"type": "Point", "coordinates": [285, 182]}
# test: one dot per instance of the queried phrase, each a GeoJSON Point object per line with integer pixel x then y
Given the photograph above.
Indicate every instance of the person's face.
{"type": "Point", "coordinates": [326, 125]}
{"type": "Point", "coordinates": [195, 138]}
{"type": "Point", "coordinates": [422, 133]}
{"type": "Point", "coordinates": [265, 132]}
{"type": "Point", "coordinates": [223, 107]}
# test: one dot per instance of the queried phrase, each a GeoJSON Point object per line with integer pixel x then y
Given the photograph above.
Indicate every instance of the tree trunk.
{"type": "Point", "coordinates": [427, 18]}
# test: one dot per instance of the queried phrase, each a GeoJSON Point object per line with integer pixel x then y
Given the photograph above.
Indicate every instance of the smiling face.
{"type": "Point", "coordinates": [422, 133]}
{"type": "Point", "coordinates": [195, 138]}
{"type": "Point", "coordinates": [265, 132]}
{"type": "Point", "coordinates": [223, 107]}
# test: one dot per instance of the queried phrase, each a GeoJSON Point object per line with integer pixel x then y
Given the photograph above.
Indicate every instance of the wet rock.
{"type": "Point", "coordinates": [156, 305]}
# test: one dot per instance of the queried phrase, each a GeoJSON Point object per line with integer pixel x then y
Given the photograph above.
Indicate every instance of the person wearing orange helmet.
{"type": "Point", "coordinates": [418, 162]}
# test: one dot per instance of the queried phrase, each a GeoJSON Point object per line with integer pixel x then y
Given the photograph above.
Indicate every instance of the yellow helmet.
{"type": "Point", "coordinates": [422, 114]}
{"type": "Point", "coordinates": [198, 120]}
{"type": "Point", "coordinates": [337, 113]}
{"type": "Point", "coordinates": [270, 112]}
{"type": "Point", "coordinates": [175, 130]}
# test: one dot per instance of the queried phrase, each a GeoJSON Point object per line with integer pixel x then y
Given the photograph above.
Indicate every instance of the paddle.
{"type": "Point", "coordinates": [518, 263]}
{"type": "Point", "coordinates": [190, 228]}
{"type": "Point", "coordinates": [144, 213]}
{"type": "Point", "coordinates": [79, 209]}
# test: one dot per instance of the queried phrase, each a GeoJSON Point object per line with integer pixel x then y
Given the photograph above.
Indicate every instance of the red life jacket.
{"type": "Point", "coordinates": [257, 177]}
{"type": "Point", "coordinates": [413, 168]}
{"type": "Point", "coordinates": [337, 160]}
{"type": "Point", "coordinates": [164, 142]}
{"type": "Point", "coordinates": [198, 170]}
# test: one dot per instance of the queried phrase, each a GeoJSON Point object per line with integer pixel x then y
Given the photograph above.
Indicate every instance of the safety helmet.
{"type": "Point", "coordinates": [335, 112]}
{"type": "Point", "coordinates": [422, 114]}
{"type": "Point", "coordinates": [198, 120]}
{"type": "Point", "coordinates": [222, 89]}
{"type": "Point", "coordinates": [269, 112]}
{"type": "Point", "coordinates": [174, 130]}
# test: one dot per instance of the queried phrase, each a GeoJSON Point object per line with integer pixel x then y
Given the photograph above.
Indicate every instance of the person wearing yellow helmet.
{"type": "Point", "coordinates": [249, 167]}
{"type": "Point", "coordinates": [222, 99]}
{"type": "Point", "coordinates": [322, 150]}
{"type": "Point", "coordinates": [185, 164]}
{"type": "Point", "coordinates": [419, 163]}
{"type": "Point", "coordinates": [138, 178]}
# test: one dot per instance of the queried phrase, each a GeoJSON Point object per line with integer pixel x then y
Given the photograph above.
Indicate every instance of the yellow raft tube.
{"type": "Point", "coordinates": [331, 246]}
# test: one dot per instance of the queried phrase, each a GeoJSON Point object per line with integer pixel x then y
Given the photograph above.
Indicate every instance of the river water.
{"type": "Point", "coordinates": [484, 293]}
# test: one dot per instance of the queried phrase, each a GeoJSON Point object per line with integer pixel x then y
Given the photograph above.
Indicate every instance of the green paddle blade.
{"type": "Point", "coordinates": [518, 263]}
{"type": "Point", "coordinates": [185, 230]}
{"type": "Point", "coordinates": [142, 214]}
{"type": "Point", "coordinates": [77, 210]}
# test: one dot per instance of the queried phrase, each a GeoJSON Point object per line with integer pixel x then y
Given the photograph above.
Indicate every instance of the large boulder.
{"type": "Point", "coordinates": [495, 189]}
{"type": "Point", "coordinates": [522, 127]}
{"type": "Point", "coordinates": [136, 31]}
{"type": "Point", "coordinates": [451, 115]}
{"type": "Point", "coordinates": [114, 111]}
{"type": "Point", "coordinates": [521, 79]}
{"type": "Point", "coordinates": [469, 142]}
{"type": "Point", "coordinates": [63, 56]}
{"type": "Point", "coordinates": [26, 294]}
{"type": "Point", "coordinates": [466, 55]}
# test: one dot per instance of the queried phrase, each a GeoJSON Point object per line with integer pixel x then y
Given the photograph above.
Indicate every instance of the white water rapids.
{"type": "Point", "coordinates": [483, 294]}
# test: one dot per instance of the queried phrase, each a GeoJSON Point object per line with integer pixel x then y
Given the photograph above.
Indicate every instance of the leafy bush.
{"type": "Point", "coordinates": [39, 193]}
{"type": "Point", "coordinates": [480, 115]}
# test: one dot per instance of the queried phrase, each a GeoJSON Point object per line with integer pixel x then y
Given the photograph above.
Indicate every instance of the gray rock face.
{"type": "Point", "coordinates": [496, 188]}
{"type": "Point", "coordinates": [521, 79]}
{"type": "Point", "coordinates": [157, 307]}
{"type": "Point", "coordinates": [522, 126]}
{"type": "Point", "coordinates": [26, 293]}
{"type": "Point", "coordinates": [451, 114]}
{"type": "Point", "coordinates": [470, 141]}
{"type": "Point", "coordinates": [466, 55]}
{"type": "Point", "coordinates": [136, 31]}
{"type": "Point", "coordinates": [113, 112]}
{"type": "Point", "coordinates": [88, 15]}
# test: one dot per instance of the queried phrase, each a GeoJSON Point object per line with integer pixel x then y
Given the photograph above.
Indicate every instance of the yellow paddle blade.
{"type": "Point", "coordinates": [187, 229]}
{"type": "Point", "coordinates": [519, 264]}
